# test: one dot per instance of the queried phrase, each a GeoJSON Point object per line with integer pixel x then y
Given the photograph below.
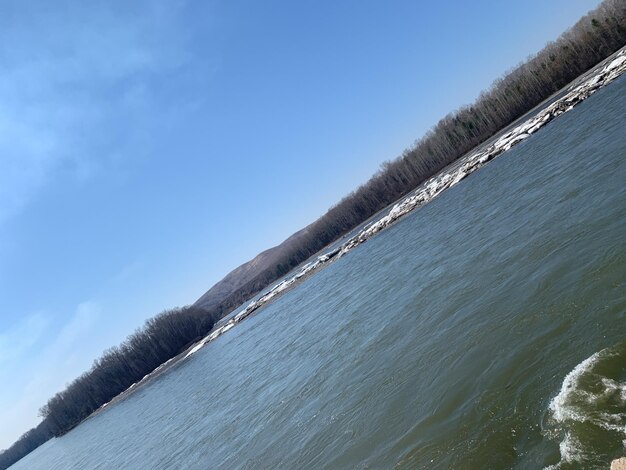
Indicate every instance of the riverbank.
{"type": "Point", "coordinates": [572, 95]}
{"type": "Point", "coordinates": [600, 76]}
{"type": "Point", "coordinates": [440, 343]}
{"type": "Point", "coordinates": [619, 464]}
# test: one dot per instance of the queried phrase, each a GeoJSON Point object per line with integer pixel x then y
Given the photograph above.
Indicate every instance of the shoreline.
{"type": "Point", "coordinates": [571, 95]}
{"type": "Point", "coordinates": [603, 74]}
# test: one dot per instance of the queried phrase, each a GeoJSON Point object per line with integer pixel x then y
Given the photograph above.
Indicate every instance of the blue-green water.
{"type": "Point", "coordinates": [472, 334]}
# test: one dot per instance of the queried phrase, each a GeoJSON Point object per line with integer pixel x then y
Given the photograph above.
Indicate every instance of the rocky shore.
{"type": "Point", "coordinates": [600, 76]}
{"type": "Point", "coordinates": [619, 464]}
{"type": "Point", "coordinates": [588, 84]}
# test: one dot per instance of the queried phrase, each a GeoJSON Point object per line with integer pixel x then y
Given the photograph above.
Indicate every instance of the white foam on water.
{"type": "Point", "coordinates": [615, 386]}
{"type": "Point", "coordinates": [608, 421]}
{"type": "Point", "coordinates": [559, 404]}
{"type": "Point", "coordinates": [570, 449]}
{"type": "Point", "coordinates": [568, 406]}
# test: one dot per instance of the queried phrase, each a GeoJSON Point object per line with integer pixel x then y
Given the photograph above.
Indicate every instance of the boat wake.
{"type": "Point", "coordinates": [588, 415]}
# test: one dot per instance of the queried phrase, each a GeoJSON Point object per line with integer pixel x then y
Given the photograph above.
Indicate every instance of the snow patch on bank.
{"type": "Point", "coordinates": [439, 183]}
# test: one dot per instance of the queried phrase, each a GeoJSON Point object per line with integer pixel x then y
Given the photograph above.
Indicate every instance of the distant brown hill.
{"type": "Point", "coordinates": [252, 276]}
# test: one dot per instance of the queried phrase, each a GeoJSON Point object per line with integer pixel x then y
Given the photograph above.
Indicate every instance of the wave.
{"type": "Point", "coordinates": [588, 414]}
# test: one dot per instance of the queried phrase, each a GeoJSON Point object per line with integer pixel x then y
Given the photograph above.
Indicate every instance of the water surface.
{"type": "Point", "coordinates": [485, 330]}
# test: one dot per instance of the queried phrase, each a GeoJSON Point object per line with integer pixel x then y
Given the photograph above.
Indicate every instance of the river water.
{"type": "Point", "coordinates": [485, 330]}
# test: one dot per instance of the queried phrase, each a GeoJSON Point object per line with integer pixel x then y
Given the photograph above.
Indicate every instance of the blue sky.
{"type": "Point", "coordinates": [147, 148]}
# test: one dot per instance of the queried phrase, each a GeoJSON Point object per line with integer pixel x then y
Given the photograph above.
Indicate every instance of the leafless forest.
{"type": "Point", "coordinates": [593, 38]}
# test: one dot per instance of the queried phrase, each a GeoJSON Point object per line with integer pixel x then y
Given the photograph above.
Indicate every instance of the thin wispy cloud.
{"type": "Point", "coordinates": [55, 360]}
{"type": "Point", "coordinates": [21, 338]}
{"type": "Point", "coordinates": [78, 89]}
{"type": "Point", "coordinates": [72, 83]}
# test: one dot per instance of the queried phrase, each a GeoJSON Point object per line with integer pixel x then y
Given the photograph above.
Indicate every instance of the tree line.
{"type": "Point", "coordinates": [161, 338]}
{"type": "Point", "coordinates": [593, 38]}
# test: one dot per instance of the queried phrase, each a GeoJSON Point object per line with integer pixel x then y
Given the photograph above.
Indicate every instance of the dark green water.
{"type": "Point", "coordinates": [486, 330]}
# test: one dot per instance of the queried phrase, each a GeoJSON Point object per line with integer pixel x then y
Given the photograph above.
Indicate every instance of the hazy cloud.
{"type": "Point", "coordinates": [22, 337]}
{"type": "Point", "coordinates": [52, 364]}
{"type": "Point", "coordinates": [82, 88]}
{"type": "Point", "coordinates": [72, 81]}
